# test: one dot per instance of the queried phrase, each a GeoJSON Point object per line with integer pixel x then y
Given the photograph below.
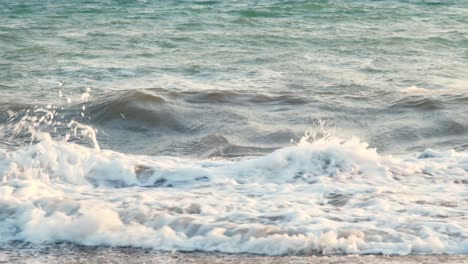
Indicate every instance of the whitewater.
{"type": "Point", "coordinates": [321, 195]}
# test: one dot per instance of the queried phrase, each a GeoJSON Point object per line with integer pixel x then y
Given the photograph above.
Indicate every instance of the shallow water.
{"type": "Point", "coordinates": [265, 127]}
{"type": "Point", "coordinates": [66, 253]}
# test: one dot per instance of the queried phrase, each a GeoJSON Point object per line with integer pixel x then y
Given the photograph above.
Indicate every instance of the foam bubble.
{"type": "Point", "coordinates": [323, 194]}
{"type": "Point", "coordinates": [415, 90]}
{"type": "Point", "coordinates": [327, 196]}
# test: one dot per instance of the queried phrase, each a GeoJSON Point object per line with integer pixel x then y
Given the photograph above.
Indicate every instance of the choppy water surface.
{"type": "Point", "coordinates": [270, 127]}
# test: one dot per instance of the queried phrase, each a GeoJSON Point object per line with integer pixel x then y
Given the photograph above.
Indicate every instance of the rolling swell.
{"type": "Point", "coordinates": [235, 123]}
{"type": "Point", "coordinates": [417, 103]}
{"type": "Point", "coordinates": [154, 107]}
{"type": "Point", "coordinates": [211, 123]}
{"type": "Point", "coordinates": [136, 110]}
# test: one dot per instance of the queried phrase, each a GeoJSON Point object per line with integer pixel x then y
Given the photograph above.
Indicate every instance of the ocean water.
{"type": "Point", "coordinates": [248, 127]}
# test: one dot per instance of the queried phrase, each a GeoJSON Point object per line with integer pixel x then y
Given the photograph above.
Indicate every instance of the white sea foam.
{"type": "Point", "coordinates": [415, 90]}
{"type": "Point", "coordinates": [326, 196]}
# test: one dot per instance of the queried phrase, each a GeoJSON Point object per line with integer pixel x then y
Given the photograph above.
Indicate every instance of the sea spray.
{"type": "Point", "coordinates": [324, 196]}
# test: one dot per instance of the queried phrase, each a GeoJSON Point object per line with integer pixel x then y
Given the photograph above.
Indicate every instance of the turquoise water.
{"type": "Point", "coordinates": [255, 45]}
{"type": "Point", "coordinates": [179, 125]}
{"type": "Point", "coordinates": [350, 60]}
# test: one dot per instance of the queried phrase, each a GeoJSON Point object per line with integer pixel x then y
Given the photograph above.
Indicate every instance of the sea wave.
{"type": "Point", "coordinates": [322, 196]}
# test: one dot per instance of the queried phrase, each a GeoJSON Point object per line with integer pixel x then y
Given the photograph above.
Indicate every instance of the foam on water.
{"type": "Point", "coordinates": [327, 195]}
{"type": "Point", "coordinates": [205, 81]}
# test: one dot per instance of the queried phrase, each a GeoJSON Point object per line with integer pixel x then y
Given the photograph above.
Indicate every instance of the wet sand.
{"type": "Point", "coordinates": [67, 254]}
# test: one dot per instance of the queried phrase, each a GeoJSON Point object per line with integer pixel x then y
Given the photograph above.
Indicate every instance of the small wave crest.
{"type": "Point", "coordinates": [322, 196]}
{"type": "Point", "coordinates": [136, 110]}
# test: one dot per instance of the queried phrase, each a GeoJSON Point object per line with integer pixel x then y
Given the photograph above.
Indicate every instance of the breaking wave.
{"type": "Point", "coordinates": [324, 196]}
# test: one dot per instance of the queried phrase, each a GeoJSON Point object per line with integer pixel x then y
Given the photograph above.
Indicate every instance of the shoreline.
{"type": "Point", "coordinates": [85, 254]}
